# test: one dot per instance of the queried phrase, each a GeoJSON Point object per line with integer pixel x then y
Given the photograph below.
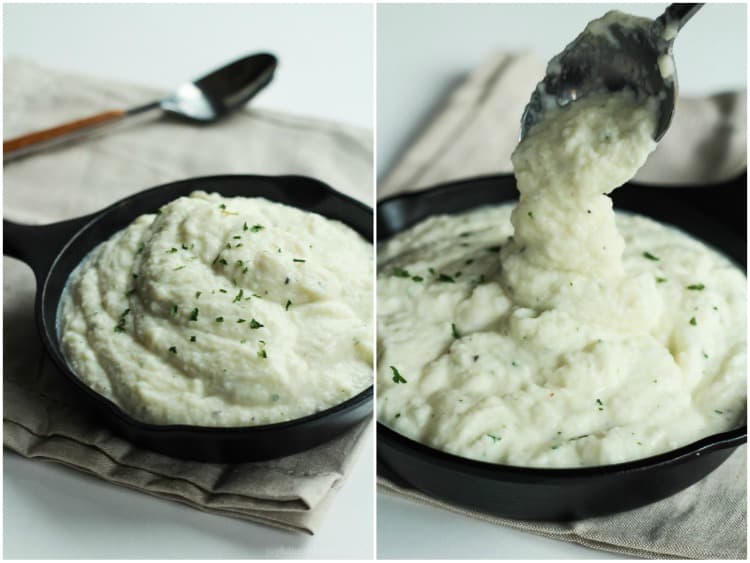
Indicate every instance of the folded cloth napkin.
{"type": "Point", "coordinates": [474, 133]}
{"type": "Point", "coordinates": [42, 416]}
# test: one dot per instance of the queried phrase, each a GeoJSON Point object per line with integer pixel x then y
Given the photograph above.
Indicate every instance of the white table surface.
{"type": "Point", "coordinates": [423, 51]}
{"type": "Point", "coordinates": [325, 70]}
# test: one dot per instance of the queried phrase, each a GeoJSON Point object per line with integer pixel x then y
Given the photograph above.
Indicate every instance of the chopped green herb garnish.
{"type": "Point", "coordinates": [255, 324]}
{"type": "Point", "coordinates": [135, 276]}
{"type": "Point", "coordinates": [179, 268]}
{"type": "Point", "coordinates": [494, 438]}
{"type": "Point", "coordinates": [401, 273]}
{"type": "Point", "coordinates": [463, 235]}
{"type": "Point", "coordinates": [454, 331]}
{"type": "Point", "coordinates": [219, 319]}
{"type": "Point", "coordinates": [141, 246]}
{"type": "Point", "coordinates": [445, 278]}
{"type": "Point", "coordinates": [432, 271]}
{"type": "Point", "coordinates": [175, 308]}
{"type": "Point", "coordinates": [288, 304]}
{"type": "Point", "coordinates": [297, 260]}
{"type": "Point", "coordinates": [718, 411]}
{"type": "Point", "coordinates": [222, 261]}
{"type": "Point", "coordinates": [493, 249]}
{"type": "Point", "coordinates": [228, 246]}
{"type": "Point", "coordinates": [601, 405]}
{"type": "Point", "coordinates": [696, 287]}
{"type": "Point", "coordinates": [172, 250]}
{"type": "Point", "coordinates": [661, 280]}
{"type": "Point", "coordinates": [397, 376]}
{"type": "Point", "coordinates": [173, 349]}
{"type": "Point", "coordinates": [650, 256]}
{"type": "Point", "coordinates": [693, 321]}
{"type": "Point", "coordinates": [244, 226]}
{"type": "Point", "coordinates": [262, 353]}
{"type": "Point", "coordinates": [237, 237]}
{"type": "Point", "coordinates": [531, 215]}
{"type": "Point", "coordinates": [194, 314]}
{"type": "Point", "coordinates": [129, 292]}
{"type": "Point", "coordinates": [222, 291]}
{"type": "Point", "coordinates": [275, 397]}
{"type": "Point", "coordinates": [198, 294]}
{"type": "Point", "coordinates": [256, 228]}
{"type": "Point", "coordinates": [193, 339]}
{"type": "Point", "coordinates": [241, 320]}
{"type": "Point", "coordinates": [578, 437]}
{"type": "Point", "coordinates": [398, 415]}
{"type": "Point", "coordinates": [417, 278]}
{"type": "Point", "coordinates": [238, 297]}
{"type": "Point", "coordinates": [705, 355]}
{"type": "Point", "coordinates": [184, 246]}
{"type": "Point", "coordinates": [222, 206]}
{"type": "Point", "coordinates": [469, 261]}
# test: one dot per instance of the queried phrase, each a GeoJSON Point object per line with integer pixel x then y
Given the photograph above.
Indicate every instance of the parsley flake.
{"type": "Point", "coordinates": [297, 260]}
{"type": "Point", "coordinates": [173, 349]}
{"type": "Point", "coordinates": [696, 287]}
{"type": "Point", "coordinates": [397, 376]}
{"type": "Point", "coordinates": [219, 319]}
{"type": "Point", "coordinates": [454, 331]}
{"type": "Point", "coordinates": [255, 324]}
{"type": "Point", "coordinates": [288, 304]}
{"type": "Point", "coordinates": [256, 228]}
{"type": "Point", "coordinates": [401, 273]}
{"type": "Point", "coordinates": [693, 321]}
{"type": "Point", "coordinates": [650, 256]}
{"type": "Point", "coordinates": [238, 297]}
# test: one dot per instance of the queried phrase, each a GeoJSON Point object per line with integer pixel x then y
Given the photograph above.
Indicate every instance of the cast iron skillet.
{"type": "Point", "coordinates": [53, 251]}
{"type": "Point", "coordinates": [718, 216]}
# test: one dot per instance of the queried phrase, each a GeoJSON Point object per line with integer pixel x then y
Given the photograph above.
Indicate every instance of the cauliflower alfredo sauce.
{"type": "Point", "coordinates": [223, 312]}
{"type": "Point", "coordinates": [557, 333]}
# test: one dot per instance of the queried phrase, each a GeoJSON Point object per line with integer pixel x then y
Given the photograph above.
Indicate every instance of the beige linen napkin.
{"type": "Point", "coordinates": [42, 416]}
{"type": "Point", "coordinates": [474, 133]}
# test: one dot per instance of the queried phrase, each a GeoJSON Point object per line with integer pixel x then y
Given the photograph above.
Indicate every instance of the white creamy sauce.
{"type": "Point", "coordinates": [557, 333]}
{"type": "Point", "coordinates": [223, 312]}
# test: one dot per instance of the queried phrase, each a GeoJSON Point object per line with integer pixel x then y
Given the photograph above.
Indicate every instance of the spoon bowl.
{"type": "Point", "coordinates": [222, 91]}
{"type": "Point", "coordinates": [613, 53]}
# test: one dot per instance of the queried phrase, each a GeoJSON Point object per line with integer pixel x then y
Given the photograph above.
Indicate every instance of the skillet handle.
{"type": "Point", "coordinates": [38, 245]}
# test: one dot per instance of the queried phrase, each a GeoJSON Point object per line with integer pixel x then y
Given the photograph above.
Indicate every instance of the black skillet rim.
{"type": "Point", "coordinates": [731, 438]}
{"type": "Point", "coordinates": [61, 362]}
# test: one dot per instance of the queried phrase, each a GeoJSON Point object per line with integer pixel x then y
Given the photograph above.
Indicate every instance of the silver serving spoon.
{"type": "Point", "coordinates": [612, 58]}
{"type": "Point", "coordinates": [205, 100]}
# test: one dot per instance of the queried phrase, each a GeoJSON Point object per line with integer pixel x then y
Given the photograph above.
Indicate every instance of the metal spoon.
{"type": "Point", "coordinates": [205, 100]}
{"type": "Point", "coordinates": [616, 57]}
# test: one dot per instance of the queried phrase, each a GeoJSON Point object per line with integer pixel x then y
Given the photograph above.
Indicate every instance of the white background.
{"type": "Point", "coordinates": [325, 70]}
{"type": "Point", "coordinates": [425, 50]}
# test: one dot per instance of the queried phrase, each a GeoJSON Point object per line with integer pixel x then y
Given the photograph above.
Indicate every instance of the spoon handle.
{"type": "Point", "coordinates": [676, 16]}
{"type": "Point", "coordinates": [64, 130]}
